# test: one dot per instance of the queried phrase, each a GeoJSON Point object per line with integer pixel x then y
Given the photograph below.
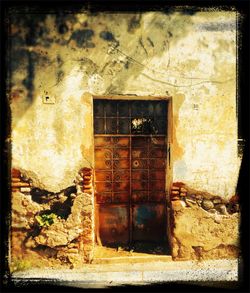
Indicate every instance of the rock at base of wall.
{"type": "Point", "coordinates": [198, 234]}
{"type": "Point", "coordinates": [60, 243]}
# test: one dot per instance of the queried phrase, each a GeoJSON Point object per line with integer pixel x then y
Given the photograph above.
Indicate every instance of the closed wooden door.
{"type": "Point", "coordinates": [130, 170]}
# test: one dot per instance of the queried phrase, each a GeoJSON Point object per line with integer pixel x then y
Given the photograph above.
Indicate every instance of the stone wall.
{"type": "Point", "coordinates": [85, 181]}
{"type": "Point", "coordinates": [203, 226]}
{"type": "Point", "coordinates": [52, 228]}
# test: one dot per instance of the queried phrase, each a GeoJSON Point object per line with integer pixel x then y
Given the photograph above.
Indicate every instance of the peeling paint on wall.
{"type": "Point", "coordinates": [189, 56]}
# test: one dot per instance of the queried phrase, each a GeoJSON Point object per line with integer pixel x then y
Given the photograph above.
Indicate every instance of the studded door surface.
{"type": "Point", "coordinates": [130, 164]}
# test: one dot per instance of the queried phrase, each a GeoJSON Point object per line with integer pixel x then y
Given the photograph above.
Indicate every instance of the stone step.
{"type": "Point", "coordinates": [132, 259]}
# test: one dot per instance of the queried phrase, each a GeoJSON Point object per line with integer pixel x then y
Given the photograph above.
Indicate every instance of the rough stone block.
{"type": "Point", "coordinates": [89, 240]}
{"type": "Point", "coordinates": [72, 250]}
{"type": "Point", "coordinates": [207, 204]}
{"type": "Point", "coordinates": [25, 189]}
{"type": "Point", "coordinates": [184, 252]}
{"type": "Point", "coordinates": [178, 205]}
{"type": "Point", "coordinates": [195, 227]}
{"type": "Point", "coordinates": [87, 200]}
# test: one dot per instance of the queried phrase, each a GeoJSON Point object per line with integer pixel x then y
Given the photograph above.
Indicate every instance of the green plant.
{"type": "Point", "coordinates": [46, 220]}
{"type": "Point", "coordinates": [19, 265]}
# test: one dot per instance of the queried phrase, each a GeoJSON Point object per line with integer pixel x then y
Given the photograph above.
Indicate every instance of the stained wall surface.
{"type": "Point", "coordinates": [71, 57]}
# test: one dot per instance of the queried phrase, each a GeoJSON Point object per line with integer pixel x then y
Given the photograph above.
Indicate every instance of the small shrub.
{"type": "Point", "coordinates": [19, 265]}
{"type": "Point", "coordinates": [46, 220]}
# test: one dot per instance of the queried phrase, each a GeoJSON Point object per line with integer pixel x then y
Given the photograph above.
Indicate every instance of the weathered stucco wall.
{"type": "Point", "coordinates": [69, 58]}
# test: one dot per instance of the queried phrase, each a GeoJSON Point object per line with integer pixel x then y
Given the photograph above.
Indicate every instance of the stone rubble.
{"type": "Point", "coordinates": [70, 237]}
{"type": "Point", "coordinates": [203, 226]}
{"type": "Point", "coordinates": [210, 203]}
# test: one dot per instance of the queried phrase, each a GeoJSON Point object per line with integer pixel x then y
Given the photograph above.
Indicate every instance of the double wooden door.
{"type": "Point", "coordinates": [130, 171]}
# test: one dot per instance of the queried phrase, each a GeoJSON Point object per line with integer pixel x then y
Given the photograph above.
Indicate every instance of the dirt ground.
{"type": "Point", "coordinates": [137, 249]}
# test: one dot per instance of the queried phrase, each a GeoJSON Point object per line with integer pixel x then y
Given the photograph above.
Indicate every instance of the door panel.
{"type": "Point", "coordinates": [101, 141]}
{"type": "Point", "coordinates": [121, 186]}
{"type": "Point", "coordinates": [121, 197]}
{"type": "Point", "coordinates": [103, 186]}
{"type": "Point", "coordinates": [157, 174]}
{"type": "Point", "coordinates": [121, 153]}
{"type": "Point", "coordinates": [148, 222]}
{"type": "Point", "coordinates": [130, 163]}
{"type": "Point", "coordinates": [139, 175]}
{"type": "Point", "coordinates": [113, 223]}
{"type": "Point", "coordinates": [121, 175]}
{"type": "Point", "coordinates": [121, 164]}
{"type": "Point", "coordinates": [157, 153]}
{"type": "Point", "coordinates": [157, 185]}
{"type": "Point", "coordinates": [139, 196]}
{"type": "Point", "coordinates": [156, 196]}
{"type": "Point", "coordinates": [103, 175]}
{"type": "Point", "coordinates": [139, 153]}
{"type": "Point", "coordinates": [103, 153]}
{"type": "Point", "coordinates": [104, 197]}
{"type": "Point", "coordinates": [120, 141]}
{"type": "Point", "coordinates": [139, 142]}
{"type": "Point", "coordinates": [103, 164]}
{"type": "Point", "coordinates": [157, 164]}
{"type": "Point", "coordinates": [139, 185]}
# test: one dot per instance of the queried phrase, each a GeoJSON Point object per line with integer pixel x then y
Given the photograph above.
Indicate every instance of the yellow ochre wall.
{"type": "Point", "coordinates": [72, 57]}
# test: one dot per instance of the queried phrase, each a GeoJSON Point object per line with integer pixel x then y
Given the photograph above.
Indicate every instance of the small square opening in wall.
{"type": "Point", "coordinates": [49, 100]}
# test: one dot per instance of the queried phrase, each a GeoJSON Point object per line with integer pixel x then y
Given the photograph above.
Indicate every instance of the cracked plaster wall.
{"type": "Point", "coordinates": [190, 57]}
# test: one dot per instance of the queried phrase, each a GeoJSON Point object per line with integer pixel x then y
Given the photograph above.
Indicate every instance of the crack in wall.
{"type": "Point", "coordinates": [135, 61]}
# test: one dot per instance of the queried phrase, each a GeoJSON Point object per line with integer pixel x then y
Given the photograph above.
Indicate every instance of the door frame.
{"type": "Point", "coordinates": [169, 161]}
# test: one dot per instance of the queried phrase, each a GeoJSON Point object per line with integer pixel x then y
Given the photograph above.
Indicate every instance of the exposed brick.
{"type": "Point", "coordinates": [175, 192]}
{"type": "Point", "coordinates": [20, 184]}
{"type": "Point", "coordinates": [89, 191]}
{"type": "Point", "coordinates": [179, 184]}
{"type": "Point", "coordinates": [85, 172]}
{"type": "Point", "coordinates": [175, 198]}
{"type": "Point", "coordinates": [86, 187]}
{"type": "Point", "coordinates": [86, 241]}
{"type": "Point", "coordinates": [15, 173]}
